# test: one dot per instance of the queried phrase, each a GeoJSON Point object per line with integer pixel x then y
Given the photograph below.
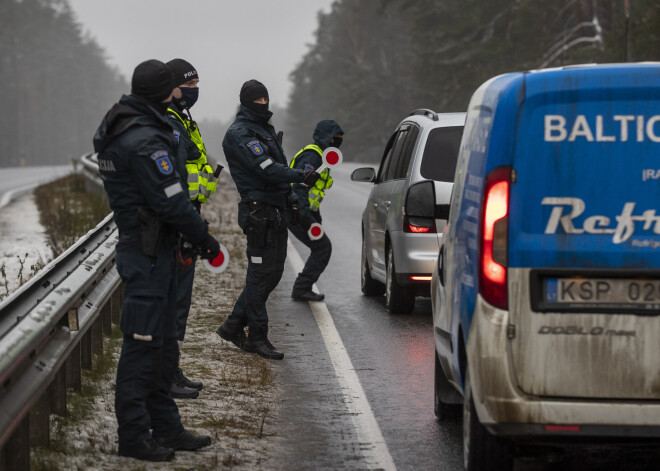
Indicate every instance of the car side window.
{"type": "Point", "coordinates": [441, 154]}
{"type": "Point", "coordinates": [404, 161]}
{"type": "Point", "coordinates": [387, 156]}
{"type": "Point", "coordinates": [397, 151]}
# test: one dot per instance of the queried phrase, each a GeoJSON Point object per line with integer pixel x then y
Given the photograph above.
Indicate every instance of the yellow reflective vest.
{"type": "Point", "coordinates": [201, 181]}
{"type": "Point", "coordinates": [317, 192]}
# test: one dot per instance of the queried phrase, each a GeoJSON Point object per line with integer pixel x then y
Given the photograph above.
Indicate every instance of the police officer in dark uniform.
{"type": "Point", "coordinates": [200, 183]}
{"type": "Point", "coordinates": [259, 169]}
{"type": "Point", "coordinates": [136, 148]}
{"type": "Point", "coordinates": [326, 134]}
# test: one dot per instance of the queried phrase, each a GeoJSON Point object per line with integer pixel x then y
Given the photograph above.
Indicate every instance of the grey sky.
{"type": "Point", "coordinates": [228, 41]}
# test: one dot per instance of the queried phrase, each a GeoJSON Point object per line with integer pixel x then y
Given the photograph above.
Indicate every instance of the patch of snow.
{"type": "Point", "coordinates": [23, 243]}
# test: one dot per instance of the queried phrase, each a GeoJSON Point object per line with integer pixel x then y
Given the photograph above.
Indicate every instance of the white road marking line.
{"type": "Point", "coordinates": [372, 443]}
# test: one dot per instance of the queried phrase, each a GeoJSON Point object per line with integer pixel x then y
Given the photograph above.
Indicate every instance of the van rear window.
{"type": "Point", "coordinates": [441, 154]}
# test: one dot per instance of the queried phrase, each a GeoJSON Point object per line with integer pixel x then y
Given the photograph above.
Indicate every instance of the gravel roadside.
{"type": "Point", "coordinates": [238, 405]}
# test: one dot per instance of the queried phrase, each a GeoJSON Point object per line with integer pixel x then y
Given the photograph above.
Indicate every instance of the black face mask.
{"type": "Point", "coordinates": [259, 108]}
{"type": "Point", "coordinates": [336, 141]}
{"type": "Point", "coordinates": [189, 96]}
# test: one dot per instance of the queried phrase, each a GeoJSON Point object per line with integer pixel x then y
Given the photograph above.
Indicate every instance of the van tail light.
{"type": "Point", "coordinates": [493, 238]}
{"type": "Point", "coordinates": [418, 225]}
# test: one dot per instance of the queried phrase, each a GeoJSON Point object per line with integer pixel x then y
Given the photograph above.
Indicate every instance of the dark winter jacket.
{"type": "Point", "coordinates": [137, 151]}
{"type": "Point", "coordinates": [256, 160]}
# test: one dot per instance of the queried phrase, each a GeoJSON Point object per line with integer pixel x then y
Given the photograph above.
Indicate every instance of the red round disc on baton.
{"type": "Point", "coordinates": [332, 157]}
{"type": "Point", "coordinates": [219, 263]}
{"type": "Point", "coordinates": [315, 231]}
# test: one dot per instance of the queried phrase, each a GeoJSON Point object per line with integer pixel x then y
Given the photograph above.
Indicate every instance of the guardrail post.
{"type": "Point", "coordinates": [106, 315]}
{"type": "Point", "coordinates": [17, 448]}
{"type": "Point", "coordinates": [97, 336]}
{"type": "Point", "coordinates": [73, 372]}
{"type": "Point", "coordinates": [86, 351]}
{"type": "Point", "coordinates": [58, 393]}
{"type": "Point", "coordinates": [40, 421]}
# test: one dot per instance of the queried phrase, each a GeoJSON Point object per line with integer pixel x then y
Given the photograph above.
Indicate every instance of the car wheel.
{"type": "Point", "coordinates": [370, 287]}
{"type": "Point", "coordinates": [481, 450]}
{"type": "Point", "coordinates": [398, 299]}
{"type": "Point", "coordinates": [447, 399]}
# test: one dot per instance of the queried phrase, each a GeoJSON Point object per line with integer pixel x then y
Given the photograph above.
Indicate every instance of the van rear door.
{"type": "Point", "coordinates": [584, 234]}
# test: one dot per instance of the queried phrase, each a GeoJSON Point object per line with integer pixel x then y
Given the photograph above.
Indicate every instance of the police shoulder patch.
{"type": "Point", "coordinates": [309, 167]}
{"type": "Point", "coordinates": [163, 162]}
{"type": "Point", "coordinates": [256, 147]}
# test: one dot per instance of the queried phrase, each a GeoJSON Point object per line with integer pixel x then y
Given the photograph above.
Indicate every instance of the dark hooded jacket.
{"type": "Point", "coordinates": [310, 159]}
{"type": "Point", "coordinates": [137, 153]}
{"type": "Point", "coordinates": [256, 160]}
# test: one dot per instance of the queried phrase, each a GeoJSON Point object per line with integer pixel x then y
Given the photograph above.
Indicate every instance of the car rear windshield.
{"type": "Point", "coordinates": [441, 153]}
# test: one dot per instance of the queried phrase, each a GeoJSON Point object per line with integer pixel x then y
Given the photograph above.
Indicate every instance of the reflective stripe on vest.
{"type": "Point", "coordinates": [195, 136]}
{"type": "Point", "coordinates": [317, 192]}
{"type": "Point", "coordinates": [201, 181]}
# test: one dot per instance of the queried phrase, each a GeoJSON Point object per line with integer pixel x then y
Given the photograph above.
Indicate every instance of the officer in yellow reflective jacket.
{"type": "Point", "coordinates": [201, 183]}
{"type": "Point", "coordinates": [326, 134]}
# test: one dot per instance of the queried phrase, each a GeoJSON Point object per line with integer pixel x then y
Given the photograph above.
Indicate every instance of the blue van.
{"type": "Point", "coordinates": [546, 294]}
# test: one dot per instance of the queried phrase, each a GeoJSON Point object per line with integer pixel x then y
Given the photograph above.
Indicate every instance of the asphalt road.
{"type": "Point", "coordinates": [16, 181]}
{"type": "Point", "coordinates": [392, 356]}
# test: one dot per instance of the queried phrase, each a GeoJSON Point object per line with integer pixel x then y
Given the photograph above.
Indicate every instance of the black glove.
{"type": "Point", "coordinates": [310, 177]}
{"type": "Point", "coordinates": [209, 247]}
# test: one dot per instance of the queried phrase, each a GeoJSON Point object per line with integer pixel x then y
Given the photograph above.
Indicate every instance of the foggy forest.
{"type": "Point", "coordinates": [394, 56]}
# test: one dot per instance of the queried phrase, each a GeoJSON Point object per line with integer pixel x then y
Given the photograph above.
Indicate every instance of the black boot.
{"type": "Point", "coordinates": [179, 390]}
{"type": "Point", "coordinates": [307, 295]}
{"type": "Point", "coordinates": [148, 450]}
{"type": "Point", "coordinates": [185, 441]}
{"type": "Point", "coordinates": [181, 379]}
{"type": "Point", "coordinates": [257, 342]}
{"type": "Point", "coordinates": [233, 334]}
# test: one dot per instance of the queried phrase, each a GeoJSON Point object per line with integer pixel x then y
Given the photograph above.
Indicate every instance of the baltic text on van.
{"type": "Point", "coordinates": [597, 224]}
{"type": "Point", "coordinates": [556, 129]}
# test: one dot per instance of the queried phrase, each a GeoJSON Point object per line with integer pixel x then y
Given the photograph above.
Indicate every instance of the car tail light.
{"type": "Point", "coordinates": [494, 237]}
{"type": "Point", "coordinates": [417, 225]}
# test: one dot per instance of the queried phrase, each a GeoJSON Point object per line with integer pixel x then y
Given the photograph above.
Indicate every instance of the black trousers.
{"type": "Point", "coordinates": [150, 350]}
{"type": "Point", "coordinates": [316, 262]}
{"type": "Point", "coordinates": [185, 276]}
{"type": "Point", "coordinates": [266, 254]}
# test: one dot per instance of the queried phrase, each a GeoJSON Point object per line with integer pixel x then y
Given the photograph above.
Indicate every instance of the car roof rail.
{"type": "Point", "coordinates": [425, 112]}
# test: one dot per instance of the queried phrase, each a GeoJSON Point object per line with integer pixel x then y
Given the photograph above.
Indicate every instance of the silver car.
{"type": "Point", "coordinates": [408, 206]}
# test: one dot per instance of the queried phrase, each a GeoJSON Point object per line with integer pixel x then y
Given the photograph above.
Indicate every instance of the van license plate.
{"type": "Point", "coordinates": [606, 292]}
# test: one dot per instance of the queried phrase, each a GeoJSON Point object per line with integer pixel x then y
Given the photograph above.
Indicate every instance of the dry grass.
{"type": "Point", "coordinates": [67, 210]}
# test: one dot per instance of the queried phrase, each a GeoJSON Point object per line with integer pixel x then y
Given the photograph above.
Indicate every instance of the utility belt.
{"type": "Point", "coordinates": [152, 232]}
{"type": "Point", "coordinates": [263, 223]}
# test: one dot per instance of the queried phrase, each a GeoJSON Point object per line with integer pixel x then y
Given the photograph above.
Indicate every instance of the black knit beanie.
{"type": "Point", "coordinates": [182, 71]}
{"type": "Point", "coordinates": [252, 90]}
{"type": "Point", "coordinates": [152, 80]}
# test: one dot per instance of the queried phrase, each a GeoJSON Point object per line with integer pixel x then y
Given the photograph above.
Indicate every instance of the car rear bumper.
{"type": "Point", "coordinates": [414, 254]}
{"type": "Point", "coordinates": [505, 410]}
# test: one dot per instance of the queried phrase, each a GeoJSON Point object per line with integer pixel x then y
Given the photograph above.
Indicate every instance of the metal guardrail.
{"type": "Point", "coordinates": [49, 329]}
{"type": "Point", "coordinates": [90, 168]}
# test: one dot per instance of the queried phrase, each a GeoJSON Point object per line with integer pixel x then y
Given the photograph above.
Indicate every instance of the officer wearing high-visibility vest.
{"type": "Point", "coordinates": [136, 156]}
{"type": "Point", "coordinates": [262, 175]}
{"type": "Point", "coordinates": [201, 183]}
{"type": "Point", "coordinates": [326, 134]}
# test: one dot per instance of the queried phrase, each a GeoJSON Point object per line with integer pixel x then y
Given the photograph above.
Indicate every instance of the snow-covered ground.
{"type": "Point", "coordinates": [23, 246]}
